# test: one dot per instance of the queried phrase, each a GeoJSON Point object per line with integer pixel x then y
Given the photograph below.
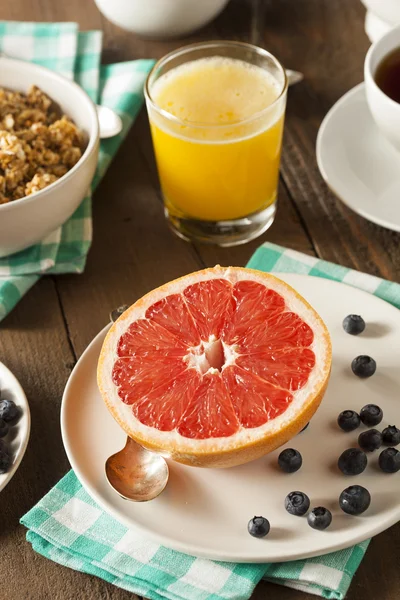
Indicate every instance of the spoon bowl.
{"type": "Point", "coordinates": [137, 474]}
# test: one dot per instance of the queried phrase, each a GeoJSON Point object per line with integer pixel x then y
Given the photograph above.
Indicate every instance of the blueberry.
{"type": "Point", "coordinates": [363, 366]}
{"type": "Point", "coordinates": [391, 436]}
{"type": "Point", "coordinates": [319, 518]}
{"type": "Point", "coordinates": [370, 440]}
{"type": "Point", "coordinates": [8, 410]}
{"type": "Point", "coordinates": [4, 447]}
{"type": "Point", "coordinates": [371, 415]}
{"type": "Point", "coordinates": [5, 461]}
{"type": "Point", "coordinates": [258, 527]}
{"type": "Point", "coordinates": [352, 461]}
{"type": "Point", "coordinates": [4, 427]}
{"type": "Point", "coordinates": [355, 500]}
{"type": "Point", "coordinates": [348, 420]}
{"type": "Point", "coordinates": [297, 503]}
{"type": "Point", "coordinates": [290, 460]}
{"type": "Point", "coordinates": [389, 460]}
{"type": "Point", "coordinates": [353, 324]}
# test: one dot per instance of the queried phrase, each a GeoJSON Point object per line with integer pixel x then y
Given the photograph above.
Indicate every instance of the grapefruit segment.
{"type": "Point", "coordinates": [172, 314]}
{"type": "Point", "coordinates": [147, 337]}
{"type": "Point", "coordinates": [284, 330]}
{"type": "Point", "coordinates": [211, 304]}
{"type": "Point", "coordinates": [254, 400]}
{"type": "Point", "coordinates": [137, 375]}
{"type": "Point", "coordinates": [216, 368]}
{"type": "Point", "coordinates": [210, 413]}
{"type": "Point", "coordinates": [164, 406]}
{"type": "Point", "coordinates": [251, 298]}
{"type": "Point", "coordinates": [287, 368]}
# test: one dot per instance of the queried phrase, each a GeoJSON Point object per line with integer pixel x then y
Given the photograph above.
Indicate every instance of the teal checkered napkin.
{"type": "Point", "coordinates": [69, 528]}
{"type": "Point", "coordinates": [76, 55]}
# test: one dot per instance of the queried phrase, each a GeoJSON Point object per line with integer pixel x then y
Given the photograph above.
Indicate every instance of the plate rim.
{"type": "Point", "coordinates": [358, 89]}
{"type": "Point", "coordinates": [26, 418]}
{"type": "Point", "coordinates": [183, 547]}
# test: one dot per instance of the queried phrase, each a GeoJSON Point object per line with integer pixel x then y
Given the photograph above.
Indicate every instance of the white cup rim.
{"type": "Point", "coordinates": [375, 49]}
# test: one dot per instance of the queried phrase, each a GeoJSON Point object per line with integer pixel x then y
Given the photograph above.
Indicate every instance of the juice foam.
{"type": "Point", "coordinates": [215, 91]}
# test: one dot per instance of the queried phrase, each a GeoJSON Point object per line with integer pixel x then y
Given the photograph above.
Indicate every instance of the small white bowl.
{"type": "Point", "coordinates": [386, 10]}
{"type": "Point", "coordinates": [18, 436]}
{"type": "Point", "coordinates": [27, 221]}
{"type": "Point", "coordinates": [161, 18]}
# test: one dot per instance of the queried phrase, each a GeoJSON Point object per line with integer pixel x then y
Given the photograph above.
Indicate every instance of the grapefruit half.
{"type": "Point", "coordinates": [216, 368]}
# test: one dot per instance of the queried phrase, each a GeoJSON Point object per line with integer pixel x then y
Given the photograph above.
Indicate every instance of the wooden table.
{"type": "Point", "coordinates": [133, 251]}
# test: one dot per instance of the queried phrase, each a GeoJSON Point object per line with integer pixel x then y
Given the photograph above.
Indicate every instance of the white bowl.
{"type": "Point", "coordinates": [161, 18]}
{"type": "Point", "coordinates": [375, 27]}
{"type": "Point", "coordinates": [28, 220]}
{"type": "Point", "coordinates": [386, 10]}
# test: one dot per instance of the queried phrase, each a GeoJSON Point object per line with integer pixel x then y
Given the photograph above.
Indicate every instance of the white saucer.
{"type": "Point", "coordinates": [358, 163]}
{"type": "Point", "coordinates": [204, 512]}
{"type": "Point", "coordinates": [18, 436]}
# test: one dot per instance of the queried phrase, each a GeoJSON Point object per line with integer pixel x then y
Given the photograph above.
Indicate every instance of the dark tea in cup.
{"type": "Point", "coordinates": [387, 75]}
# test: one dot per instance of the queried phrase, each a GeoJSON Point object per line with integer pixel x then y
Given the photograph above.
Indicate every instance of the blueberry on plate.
{"type": "Point", "coordinates": [290, 460]}
{"type": "Point", "coordinates": [349, 420]}
{"type": "Point", "coordinates": [363, 366]}
{"type": "Point", "coordinates": [391, 436]}
{"type": "Point", "coordinates": [353, 324]}
{"type": "Point", "coordinates": [389, 460]}
{"type": "Point", "coordinates": [355, 500]}
{"type": "Point", "coordinates": [352, 461]}
{"type": "Point", "coordinates": [370, 440]}
{"type": "Point", "coordinates": [297, 503]}
{"type": "Point", "coordinates": [4, 427]}
{"type": "Point", "coordinates": [258, 527]}
{"type": "Point", "coordinates": [319, 518]}
{"type": "Point", "coordinates": [8, 410]}
{"type": "Point", "coordinates": [5, 461]}
{"type": "Point", "coordinates": [371, 415]}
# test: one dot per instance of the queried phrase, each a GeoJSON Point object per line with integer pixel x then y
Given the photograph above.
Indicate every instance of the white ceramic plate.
{"type": "Point", "coordinates": [18, 436]}
{"type": "Point", "coordinates": [204, 512]}
{"type": "Point", "coordinates": [358, 163]}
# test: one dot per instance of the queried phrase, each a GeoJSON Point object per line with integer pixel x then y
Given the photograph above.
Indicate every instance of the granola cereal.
{"type": "Point", "coordinates": [38, 144]}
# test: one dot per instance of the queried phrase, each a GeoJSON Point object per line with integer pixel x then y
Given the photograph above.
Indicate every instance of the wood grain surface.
{"type": "Point", "coordinates": [133, 251]}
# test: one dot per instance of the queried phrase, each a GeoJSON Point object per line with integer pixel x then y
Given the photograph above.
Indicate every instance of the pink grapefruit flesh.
{"type": "Point", "coordinates": [216, 368]}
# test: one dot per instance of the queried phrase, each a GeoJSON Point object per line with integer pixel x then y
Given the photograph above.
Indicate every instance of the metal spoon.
{"type": "Point", "coordinates": [135, 473]}
{"type": "Point", "coordinates": [294, 76]}
{"type": "Point", "coordinates": [109, 122]}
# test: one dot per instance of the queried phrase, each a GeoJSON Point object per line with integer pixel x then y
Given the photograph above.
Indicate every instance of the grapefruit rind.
{"type": "Point", "coordinates": [245, 444]}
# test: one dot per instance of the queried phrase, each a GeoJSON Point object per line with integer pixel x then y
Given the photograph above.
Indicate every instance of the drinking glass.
{"type": "Point", "coordinates": [219, 180]}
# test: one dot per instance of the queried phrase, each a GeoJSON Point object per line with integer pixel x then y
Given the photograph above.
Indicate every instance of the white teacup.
{"type": "Point", "coordinates": [385, 111]}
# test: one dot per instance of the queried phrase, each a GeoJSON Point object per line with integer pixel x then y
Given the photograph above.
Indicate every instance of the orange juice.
{"type": "Point", "coordinates": [218, 150]}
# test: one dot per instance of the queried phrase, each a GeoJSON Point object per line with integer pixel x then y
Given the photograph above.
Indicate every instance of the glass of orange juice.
{"type": "Point", "coordinates": [216, 112]}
